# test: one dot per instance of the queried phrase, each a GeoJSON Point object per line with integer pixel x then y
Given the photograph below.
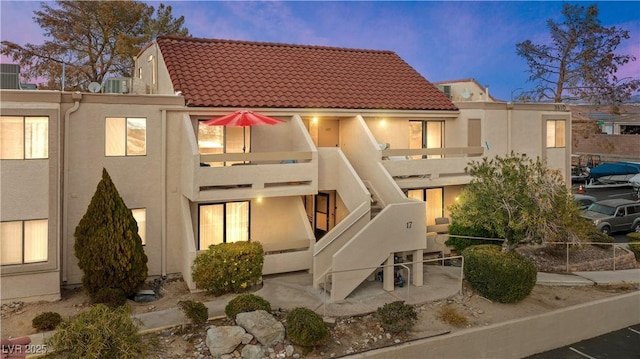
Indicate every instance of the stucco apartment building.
{"type": "Point", "coordinates": [370, 153]}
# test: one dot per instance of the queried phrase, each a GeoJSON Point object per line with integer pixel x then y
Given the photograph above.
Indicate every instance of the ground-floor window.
{"type": "Point", "coordinates": [24, 241]}
{"type": "Point", "coordinates": [140, 215]}
{"type": "Point", "coordinates": [433, 197]}
{"type": "Point", "coordinates": [223, 223]}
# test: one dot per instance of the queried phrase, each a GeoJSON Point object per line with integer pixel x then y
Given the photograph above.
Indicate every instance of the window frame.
{"type": "Point", "coordinates": [123, 152]}
{"type": "Point", "coordinates": [224, 221]}
{"type": "Point", "coordinates": [143, 237]}
{"type": "Point", "coordinates": [557, 135]}
{"type": "Point", "coordinates": [23, 245]}
{"type": "Point", "coordinates": [24, 149]}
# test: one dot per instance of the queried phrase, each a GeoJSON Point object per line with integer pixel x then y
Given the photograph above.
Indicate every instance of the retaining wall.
{"type": "Point", "coordinates": [524, 337]}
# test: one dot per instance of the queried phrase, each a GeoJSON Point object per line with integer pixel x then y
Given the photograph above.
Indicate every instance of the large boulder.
{"type": "Point", "coordinates": [252, 352]}
{"type": "Point", "coordinates": [263, 326]}
{"type": "Point", "coordinates": [224, 339]}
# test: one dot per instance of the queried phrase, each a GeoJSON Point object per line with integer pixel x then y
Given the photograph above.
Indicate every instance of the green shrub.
{"type": "Point", "coordinates": [113, 297]}
{"type": "Point", "coordinates": [108, 246]}
{"type": "Point", "coordinates": [306, 328]}
{"type": "Point", "coordinates": [246, 303]}
{"type": "Point", "coordinates": [397, 317]}
{"type": "Point", "coordinates": [506, 277]}
{"type": "Point", "coordinates": [229, 267]}
{"type": "Point", "coordinates": [595, 235]}
{"type": "Point", "coordinates": [101, 332]}
{"type": "Point", "coordinates": [460, 244]}
{"type": "Point", "coordinates": [634, 244]}
{"type": "Point", "coordinates": [197, 312]}
{"type": "Point", "coordinates": [46, 321]}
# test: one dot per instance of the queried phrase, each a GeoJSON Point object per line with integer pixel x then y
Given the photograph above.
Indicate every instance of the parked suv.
{"type": "Point", "coordinates": [614, 215]}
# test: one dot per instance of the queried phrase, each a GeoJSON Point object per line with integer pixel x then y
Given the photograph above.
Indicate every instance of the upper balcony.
{"type": "Point", "coordinates": [260, 173]}
{"type": "Point", "coordinates": [432, 167]}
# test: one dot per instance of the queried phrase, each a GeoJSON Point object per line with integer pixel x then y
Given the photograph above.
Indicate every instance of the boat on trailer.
{"type": "Point", "coordinates": [612, 175]}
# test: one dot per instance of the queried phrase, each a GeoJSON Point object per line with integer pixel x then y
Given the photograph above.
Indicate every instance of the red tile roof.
{"type": "Point", "coordinates": [225, 73]}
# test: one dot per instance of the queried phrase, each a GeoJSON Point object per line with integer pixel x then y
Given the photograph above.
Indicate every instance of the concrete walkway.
{"type": "Point", "coordinates": [292, 290]}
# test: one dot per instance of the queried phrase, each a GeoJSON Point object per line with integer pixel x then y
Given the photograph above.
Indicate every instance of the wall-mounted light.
{"type": "Point", "coordinates": [383, 122]}
{"type": "Point", "coordinates": [314, 120]}
{"type": "Point", "coordinates": [259, 199]}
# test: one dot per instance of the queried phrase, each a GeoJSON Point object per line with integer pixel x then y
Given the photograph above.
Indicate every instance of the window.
{"type": "Point", "coordinates": [24, 137]}
{"type": "Point", "coordinates": [125, 136]}
{"type": "Point", "coordinates": [555, 133]}
{"type": "Point", "coordinates": [24, 241]}
{"type": "Point", "coordinates": [221, 139]}
{"type": "Point", "coordinates": [223, 223]}
{"type": "Point", "coordinates": [434, 198]}
{"type": "Point", "coordinates": [140, 215]}
{"type": "Point", "coordinates": [426, 134]}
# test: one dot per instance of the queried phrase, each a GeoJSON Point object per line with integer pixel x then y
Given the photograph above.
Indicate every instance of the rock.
{"type": "Point", "coordinates": [224, 339]}
{"type": "Point", "coordinates": [247, 338]}
{"type": "Point", "coordinates": [263, 326]}
{"type": "Point", "coordinates": [288, 350]}
{"type": "Point", "coordinates": [252, 352]}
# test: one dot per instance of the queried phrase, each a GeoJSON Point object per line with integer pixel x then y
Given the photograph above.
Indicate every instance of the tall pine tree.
{"type": "Point", "coordinates": [108, 246]}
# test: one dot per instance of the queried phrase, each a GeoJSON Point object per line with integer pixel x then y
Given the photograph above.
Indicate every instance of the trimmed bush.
{"type": "Point", "coordinates": [634, 244]}
{"type": "Point", "coordinates": [197, 312]}
{"type": "Point", "coordinates": [113, 297]}
{"type": "Point", "coordinates": [506, 277]}
{"type": "Point", "coordinates": [460, 244]}
{"type": "Point", "coordinates": [46, 321]}
{"type": "Point", "coordinates": [595, 235]}
{"type": "Point", "coordinates": [306, 328]}
{"type": "Point", "coordinates": [101, 332]}
{"type": "Point", "coordinates": [246, 303]}
{"type": "Point", "coordinates": [397, 317]}
{"type": "Point", "coordinates": [108, 246]}
{"type": "Point", "coordinates": [229, 267]}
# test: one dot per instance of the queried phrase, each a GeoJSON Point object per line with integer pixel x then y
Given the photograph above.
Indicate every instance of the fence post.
{"type": "Point", "coordinates": [567, 257]}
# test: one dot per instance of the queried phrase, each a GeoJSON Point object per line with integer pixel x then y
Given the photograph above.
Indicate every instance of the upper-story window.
{"type": "Point", "coordinates": [555, 133]}
{"type": "Point", "coordinates": [125, 136]}
{"type": "Point", "coordinates": [426, 134]}
{"type": "Point", "coordinates": [24, 241]}
{"type": "Point", "coordinates": [221, 139]}
{"type": "Point", "coordinates": [24, 137]}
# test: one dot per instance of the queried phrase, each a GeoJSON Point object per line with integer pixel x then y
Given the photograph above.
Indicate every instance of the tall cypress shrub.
{"type": "Point", "coordinates": [108, 246]}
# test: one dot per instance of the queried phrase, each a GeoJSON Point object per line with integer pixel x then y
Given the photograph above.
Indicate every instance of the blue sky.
{"type": "Point", "coordinates": [443, 40]}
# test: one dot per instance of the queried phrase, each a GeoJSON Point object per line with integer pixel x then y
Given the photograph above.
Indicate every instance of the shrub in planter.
{"type": "Point", "coordinates": [101, 332]}
{"type": "Point", "coordinates": [229, 267]}
{"type": "Point", "coordinates": [197, 312]}
{"type": "Point", "coordinates": [246, 303]}
{"type": "Point", "coordinates": [306, 328]}
{"type": "Point", "coordinates": [460, 244]}
{"type": "Point", "coordinates": [46, 321]}
{"type": "Point", "coordinates": [397, 317]}
{"type": "Point", "coordinates": [634, 244]}
{"type": "Point", "coordinates": [506, 277]}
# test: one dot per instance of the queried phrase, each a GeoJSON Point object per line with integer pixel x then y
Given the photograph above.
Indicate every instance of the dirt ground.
{"type": "Point", "coordinates": [349, 335]}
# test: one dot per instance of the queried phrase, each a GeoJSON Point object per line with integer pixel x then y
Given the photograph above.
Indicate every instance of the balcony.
{"type": "Point", "coordinates": [430, 167]}
{"type": "Point", "coordinates": [291, 170]}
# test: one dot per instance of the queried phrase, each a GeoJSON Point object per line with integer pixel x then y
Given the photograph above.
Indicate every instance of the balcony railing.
{"type": "Point", "coordinates": [250, 174]}
{"type": "Point", "coordinates": [438, 166]}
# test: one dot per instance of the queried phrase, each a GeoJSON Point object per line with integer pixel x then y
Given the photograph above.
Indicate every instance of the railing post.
{"type": "Point", "coordinates": [614, 257]}
{"type": "Point", "coordinates": [567, 245]}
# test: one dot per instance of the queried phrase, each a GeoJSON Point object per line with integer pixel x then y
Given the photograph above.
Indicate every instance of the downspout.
{"type": "Point", "coordinates": [76, 96]}
{"type": "Point", "coordinates": [163, 205]}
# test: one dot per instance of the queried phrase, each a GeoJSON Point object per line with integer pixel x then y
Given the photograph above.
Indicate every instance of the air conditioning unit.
{"type": "Point", "coordinates": [117, 85]}
{"type": "Point", "coordinates": [10, 76]}
{"type": "Point", "coordinates": [446, 89]}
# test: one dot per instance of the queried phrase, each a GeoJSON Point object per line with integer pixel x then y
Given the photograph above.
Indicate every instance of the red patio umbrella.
{"type": "Point", "coordinates": [243, 118]}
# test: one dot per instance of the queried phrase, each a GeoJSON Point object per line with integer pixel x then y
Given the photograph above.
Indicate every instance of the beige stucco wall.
{"type": "Point", "coordinates": [29, 190]}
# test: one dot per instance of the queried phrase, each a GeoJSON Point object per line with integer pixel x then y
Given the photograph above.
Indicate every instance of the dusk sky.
{"type": "Point", "coordinates": [443, 40]}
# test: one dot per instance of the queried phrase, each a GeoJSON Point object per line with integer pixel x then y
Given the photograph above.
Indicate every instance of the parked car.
{"type": "Point", "coordinates": [584, 201]}
{"type": "Point", "coordinates": [614, 215]}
